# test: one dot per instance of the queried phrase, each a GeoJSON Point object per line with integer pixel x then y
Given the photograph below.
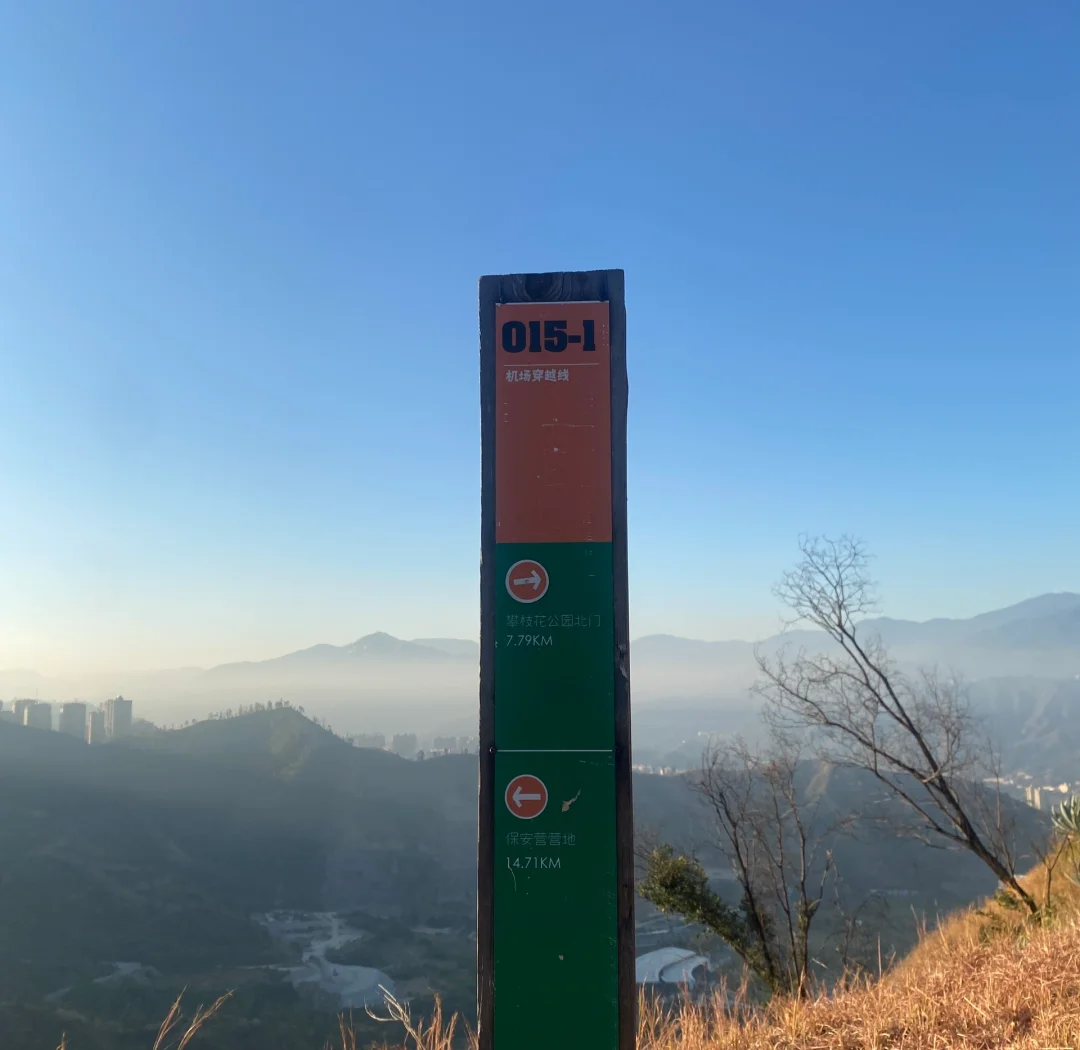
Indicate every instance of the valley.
{"type": "Point", "coordinates": [264, 854]}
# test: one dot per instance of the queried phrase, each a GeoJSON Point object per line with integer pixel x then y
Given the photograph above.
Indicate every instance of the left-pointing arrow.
{"type": "Point", "coordinates": [520, 796]}
{"type": "Point", "coordinates": [526, 796]}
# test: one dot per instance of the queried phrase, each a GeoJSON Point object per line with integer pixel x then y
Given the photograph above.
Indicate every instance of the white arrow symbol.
{"type": "Point", "coordinates": [519, 796]}
{"type": "Point", "coordinates": [534, 579]}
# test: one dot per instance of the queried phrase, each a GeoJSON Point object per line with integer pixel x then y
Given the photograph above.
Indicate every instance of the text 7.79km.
{"type": "Point", "coordinates": [514, 641]}
{"type": "Point", "coordinates": [552, 336]}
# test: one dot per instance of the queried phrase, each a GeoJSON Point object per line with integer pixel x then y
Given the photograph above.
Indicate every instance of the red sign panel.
{"type": "Point", "coordinates": [553, 423]}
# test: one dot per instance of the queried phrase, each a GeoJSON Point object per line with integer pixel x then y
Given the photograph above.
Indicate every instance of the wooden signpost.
{"type": "Point", "coordinates": [555, 920]}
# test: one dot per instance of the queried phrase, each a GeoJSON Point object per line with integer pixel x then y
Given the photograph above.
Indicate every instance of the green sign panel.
{"type": "Point", "coordinates": [553, 656]}
{"type": "Point", "coordinates": [554, 896]}
{"type": "Point", "coordinates": [555, 917]}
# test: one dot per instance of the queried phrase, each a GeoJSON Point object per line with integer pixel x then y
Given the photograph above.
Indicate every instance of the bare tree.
{"type": "Point", "coordinates": [777, 853]}
{"type": "Point", "coordinates": [916, 734]}
{"type": "Point", "coordinates": [856, 937]}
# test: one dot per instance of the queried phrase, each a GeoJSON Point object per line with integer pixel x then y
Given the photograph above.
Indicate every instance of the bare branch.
{"type": "Point", "coordinates": [917, 736]}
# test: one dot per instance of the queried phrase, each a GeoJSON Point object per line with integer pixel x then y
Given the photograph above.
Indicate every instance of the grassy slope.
{"type": "Point", "coordinates": [986, 978]}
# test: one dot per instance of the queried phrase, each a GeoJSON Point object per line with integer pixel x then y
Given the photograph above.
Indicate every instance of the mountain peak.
{"type": "Point", "coordinates": [381, 644]}
{"type": "Point", "coordinates": [377, 646]}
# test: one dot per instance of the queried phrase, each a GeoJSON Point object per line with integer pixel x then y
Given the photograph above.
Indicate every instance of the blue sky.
{"type": "Point", "coordinates": [239, 246]}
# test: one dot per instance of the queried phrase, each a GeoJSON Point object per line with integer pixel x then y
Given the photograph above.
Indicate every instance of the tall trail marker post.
{"type": "Point", "coordinates": [555, 916]}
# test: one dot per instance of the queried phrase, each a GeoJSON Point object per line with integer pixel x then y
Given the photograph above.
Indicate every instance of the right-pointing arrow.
{"type": "Point", "coordinates": [520, 796]}
{"type": "Point", "coordinates": [534, 579]}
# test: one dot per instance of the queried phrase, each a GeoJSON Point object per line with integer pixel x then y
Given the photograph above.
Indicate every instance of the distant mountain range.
{"type": "Point", "coordinates": [1049, 622]}
{"type": "Point", "coordinates": [372, 647]}
{"type": "Point", "coordinates": [1046, 623]}
{"type": "Point", "coordinates": [1038, 638]}
{"type": "Point", "coordinates": [390, 684]}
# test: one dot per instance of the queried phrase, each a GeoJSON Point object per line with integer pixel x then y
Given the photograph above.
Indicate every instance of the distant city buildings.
{"type": "Point", "coordinates": [117, 718]}
{"type": "Point", "coordinates": [73, 720]}
{"type": "Point", "coordinates": [38, 715]}
{"type": "Point", "coordinates": [410, 745]}
{"type": "Point", "coordinates": [1040, 796]}
{"type": "Point", "coordinates": [95, 728]}
{"type": "Point", "coordinates": [108, 721]}
{"type": "Point", "coordinates": [375, 740]}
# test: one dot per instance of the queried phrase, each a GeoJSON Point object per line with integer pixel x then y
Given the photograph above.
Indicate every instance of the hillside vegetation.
{"type": "Point", "coordinates": [989, 978]}
{"type": "Point", "coordinates": [161, 850]}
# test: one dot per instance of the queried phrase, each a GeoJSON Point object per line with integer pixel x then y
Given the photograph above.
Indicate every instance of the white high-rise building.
{"type": "Point", "coordinates": [95, 728]}
{"type": "Point", "coordinates": [38, 715]}
{"type": "Point", "coordinates": [19, 707]}
{"type": "Point", "coordinates": [73, 720]}
{"type": "Point", "coordinates": [117, 718]}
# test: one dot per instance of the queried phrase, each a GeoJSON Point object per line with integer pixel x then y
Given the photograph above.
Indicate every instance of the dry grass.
{"type": "Point", "coordinates": [1021, 993]}
{"type": "Point", "coordinates": [1012, 991]}
{"type": "Point", "coordinates": [169, 1036]}
{"type": "Point", "coordinates": [175, 1033]}
{"type": "Point", "coordinates": [436, 1033]}
{"type": "Point", "coordinates": [991, 920]}
{"type": "Point", "coordinates": [990, 977]}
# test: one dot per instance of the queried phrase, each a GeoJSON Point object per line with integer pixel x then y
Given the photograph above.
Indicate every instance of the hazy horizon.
{"type": "Point", "coordinates": [767, 629]}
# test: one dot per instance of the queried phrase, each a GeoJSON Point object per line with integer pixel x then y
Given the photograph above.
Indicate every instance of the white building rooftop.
{"type": "Point", "coordinates": [669, 966]}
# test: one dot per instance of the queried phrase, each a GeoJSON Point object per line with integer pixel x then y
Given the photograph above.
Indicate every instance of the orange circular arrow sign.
{"type": "Point", "coordinates": [527, 581]}
{"type": "Point", "coordinates": [526, 796]}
